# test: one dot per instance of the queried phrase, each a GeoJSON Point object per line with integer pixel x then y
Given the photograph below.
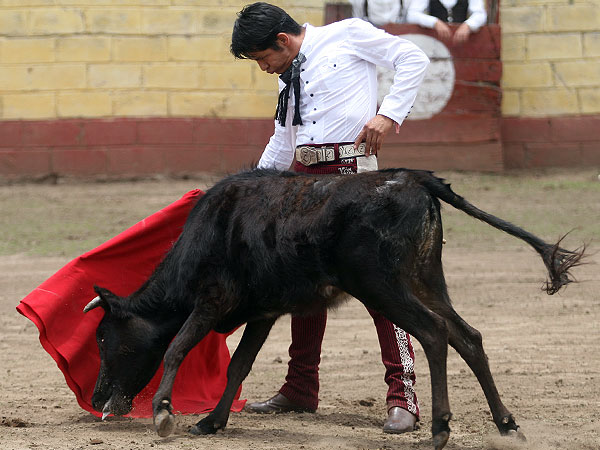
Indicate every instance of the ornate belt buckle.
{"type": "Point", "coordinates": [329, 154]}
{"type": "Point", "coordinates": [348, 150]}
{"type": "Point", "coordinates": [306, 156]}
{"type": "Point", "coordinates": [313, 155]}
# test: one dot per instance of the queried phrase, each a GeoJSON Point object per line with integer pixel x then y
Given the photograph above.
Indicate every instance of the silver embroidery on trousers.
{"type": "Point", "coordinates": [409, 367]}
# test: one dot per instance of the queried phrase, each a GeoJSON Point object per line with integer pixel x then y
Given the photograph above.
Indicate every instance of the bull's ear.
{"type": "Point", "coordinates": [104, 299]}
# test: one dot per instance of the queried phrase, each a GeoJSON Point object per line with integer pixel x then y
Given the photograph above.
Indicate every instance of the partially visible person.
{"type": "Point", "coordinates": [327, 122]}
{"type": "Point", "coordinates": [436, 14]}
{"type": "Point", "coordinates": [380, 12]}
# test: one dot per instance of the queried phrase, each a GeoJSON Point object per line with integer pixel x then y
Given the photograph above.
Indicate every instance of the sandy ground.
{"type": "Point", "coordinates": [544, 351]}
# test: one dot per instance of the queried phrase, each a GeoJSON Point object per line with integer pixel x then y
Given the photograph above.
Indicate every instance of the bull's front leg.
{"type": "Point", "coordinates": [254, 336]}
{"type": "Point", "coordinates": [195, 328]}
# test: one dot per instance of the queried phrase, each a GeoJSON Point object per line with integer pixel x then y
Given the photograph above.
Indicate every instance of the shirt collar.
{"type": "Point", "coordinates": [308, 41]}
{"type": "Point", "coordinates": [449, 3]}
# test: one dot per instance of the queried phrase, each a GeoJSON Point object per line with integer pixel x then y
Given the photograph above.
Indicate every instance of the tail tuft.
{"type": "Point", "coordinates": [559, 261]}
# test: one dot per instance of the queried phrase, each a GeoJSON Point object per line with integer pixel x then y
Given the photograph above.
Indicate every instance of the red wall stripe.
{"type": "Point", "coordinates": [139, 147]}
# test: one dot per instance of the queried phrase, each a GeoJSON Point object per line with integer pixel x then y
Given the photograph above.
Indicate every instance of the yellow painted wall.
{"type": "Point", "coordinates": [102, 58]}
{"type": "Point", "coordinates": [551, 57]}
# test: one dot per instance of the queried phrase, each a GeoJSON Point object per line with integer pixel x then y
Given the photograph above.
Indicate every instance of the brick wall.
{"type": "Point", "coordinates": [105, 58]}
{"type": "Point", "coordinates": [551, 56]}
{"type": "Point", "coordinates": [130, 88]}
{"type": "Point", "coordinates": [551, 83]}
{"type": "Point", "coordinates": [126, 87]}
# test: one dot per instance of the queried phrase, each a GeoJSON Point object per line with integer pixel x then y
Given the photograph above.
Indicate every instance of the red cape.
{"type": "Point", "coordinates": [122, 265]}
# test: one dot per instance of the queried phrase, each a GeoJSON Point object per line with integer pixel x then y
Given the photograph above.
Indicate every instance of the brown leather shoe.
{"type": "Point", "coordinates": [276, 405]}
{"type": "Point", "coordinates": [399, 421]}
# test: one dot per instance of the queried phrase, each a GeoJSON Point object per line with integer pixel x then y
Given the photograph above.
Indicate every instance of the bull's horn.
{"type": "Point", "coordinates": [106, 409]}
{"type": "Point", "coordinates": [93, 304]}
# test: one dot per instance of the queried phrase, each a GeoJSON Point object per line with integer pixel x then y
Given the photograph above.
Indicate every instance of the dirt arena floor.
{"type": "Point", "coordinates": [544, 351]}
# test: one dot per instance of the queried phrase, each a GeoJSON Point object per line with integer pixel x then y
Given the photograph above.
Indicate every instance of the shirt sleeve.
{"type": "Point", "coordinates": [416, 14]}
{"type": "Point", "coordinates": [279, 152]}
{"type": "Point", "coordinates": [383, 49]}
{"type": "Point", "coordinates": [358, 9]}
{"type": "Point", "coordinates": [477, 15]}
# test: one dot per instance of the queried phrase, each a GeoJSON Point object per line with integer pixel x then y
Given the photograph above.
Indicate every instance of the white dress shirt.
{"type": "Point", "coordinates": [476, 14]}
{"type": "Point", "coordinates": [338, 86]}
{"type": "Point", "coordinates": [380, 12]}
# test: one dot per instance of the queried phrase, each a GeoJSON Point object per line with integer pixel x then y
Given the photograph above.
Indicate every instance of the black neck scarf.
{"type": "Point", "coordinates": [290, 77]}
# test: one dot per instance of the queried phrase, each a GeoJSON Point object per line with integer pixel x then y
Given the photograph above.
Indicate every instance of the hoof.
{"type": "Point", "coordinates": [205, 426]}
{"type": "Point", "coordinates": [508, 427]}
{"type": "Point", "coordinates": [198, 431]}
{"type": "Point", "coordinates": [164, 423]}
{"type": "Point", "coordinates": [440, 440]}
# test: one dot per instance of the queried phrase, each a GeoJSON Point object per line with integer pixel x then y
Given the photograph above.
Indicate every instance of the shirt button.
{"type": "Point", "coordinates": [312, 95]}
{"type": "Point", "coordinates": [312, 139]}
{"type": "Point", "coordinates": [314, 122]}
{"type": "Point", "coordinates": [306, 81]}
{"type": "Point", "coordinates": [314, 109]}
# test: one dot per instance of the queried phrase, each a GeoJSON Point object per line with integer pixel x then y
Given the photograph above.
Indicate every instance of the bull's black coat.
{"type": "Point", "coordinates": [264, 243]}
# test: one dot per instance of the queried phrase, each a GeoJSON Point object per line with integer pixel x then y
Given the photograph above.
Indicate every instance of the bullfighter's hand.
{"type": "Point", "coordinates": [373, 133]}
{"type": "Point", "coordinates": [462, 34]}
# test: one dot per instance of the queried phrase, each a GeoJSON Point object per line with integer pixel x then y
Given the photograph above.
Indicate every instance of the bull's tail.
{"type": "Point", "coordinates": [558, 260]}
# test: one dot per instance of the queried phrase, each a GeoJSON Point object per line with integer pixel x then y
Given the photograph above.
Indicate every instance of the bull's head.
{"type": "Point", "coordinates": [130, 354]}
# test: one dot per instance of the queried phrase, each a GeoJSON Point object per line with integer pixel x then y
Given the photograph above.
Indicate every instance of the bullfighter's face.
{"type": "Point", "coordinates": [275, 60]}
{"type": "Point", "coordinates": [129, 357]}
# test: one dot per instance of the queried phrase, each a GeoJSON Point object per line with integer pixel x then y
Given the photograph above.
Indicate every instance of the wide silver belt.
{"type": "Point", "coordinates": [308, 155]}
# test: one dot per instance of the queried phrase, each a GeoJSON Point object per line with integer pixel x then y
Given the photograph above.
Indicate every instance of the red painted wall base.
{"type": "Point", "coordinates": [551, 142]}
{"type": "Point", "coordinates": [140, 147]}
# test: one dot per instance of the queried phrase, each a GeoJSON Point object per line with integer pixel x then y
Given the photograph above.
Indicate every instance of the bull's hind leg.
{"type": "Point", "coordinates": [254, 336]}
{"type": "Point", "coordinates": [468, 343]}
{"type": "Point", "coordinates": [402, 308]}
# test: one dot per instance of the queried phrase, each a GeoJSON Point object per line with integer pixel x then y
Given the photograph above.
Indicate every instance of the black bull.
{"type": "Point", "coordinates": [261, 244]}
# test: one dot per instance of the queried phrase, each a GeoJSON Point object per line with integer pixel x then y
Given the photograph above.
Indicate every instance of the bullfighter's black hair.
{"type": "Point", "coordinates": [257, 27]}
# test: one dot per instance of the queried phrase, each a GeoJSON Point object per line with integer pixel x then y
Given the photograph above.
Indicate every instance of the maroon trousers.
{"type": "Point", "coordinates": [302, 380]}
